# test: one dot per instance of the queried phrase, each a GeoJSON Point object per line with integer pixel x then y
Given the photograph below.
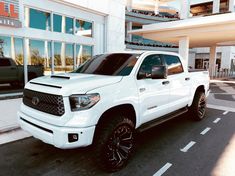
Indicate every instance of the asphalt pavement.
{"type": "Point", "coordinates": [179, 147]}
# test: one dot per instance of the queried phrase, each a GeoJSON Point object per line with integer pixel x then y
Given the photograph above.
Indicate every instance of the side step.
{"type": "Point", "coordinates": [162, 119]}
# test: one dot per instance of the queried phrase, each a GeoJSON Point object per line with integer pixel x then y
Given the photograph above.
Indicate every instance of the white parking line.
{"type": "Point", "coordinates": [223, 108]}
{"type": "Point", "coordinates": [225, 112]}
{"type": "Point", "coordinates": [205, 131]}
{"type": "Point", "coordinates": [217, 120]}
{"type": "Point", "coordinates": [163, 169]}
{"type": "Point", "coordinates": [188, 146]}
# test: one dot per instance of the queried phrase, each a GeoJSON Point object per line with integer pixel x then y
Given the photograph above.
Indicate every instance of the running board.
{"type": "Point", "coordinates": [162, 119]}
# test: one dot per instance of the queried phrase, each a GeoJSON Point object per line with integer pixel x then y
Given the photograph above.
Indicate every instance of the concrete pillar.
{"type": "Point", "coordinates": [216, 6]}
{"type": "Point", "coordinates": [27, 17]}
{"type": "Point", "coordinates": [129, 27]}
{"type": "Point", "coordinates": [46, 53]}
{"type": "Point", "coordinates": [52, 57]}
{"type": "Point", "coordinates": [129, 5]}
{"type": "Point", "coordinates": [184, 49]}
{"type": "Point", "coordinates": [62, 55]}
{"type": "Point", "coordinates": [63, 24]}
{"type": "Point", "coordinates": [231, 6]}
{"type": "Point", "coordinates": [79, 56]}
{"type": "Point", "coordinates": [184, 9]}
{"type": "Point", "coordinates": [13, 53]}
{"type": "Point", "coordinates": [25, 44]}
{"type": "Point", "coordinates": [156, 8]}
{"type": "Point", "coordinates": [212, 61]}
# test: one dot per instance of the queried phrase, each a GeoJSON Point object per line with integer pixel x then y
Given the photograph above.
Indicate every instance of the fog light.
{"type": "Point", "coordinates": [73, 137]}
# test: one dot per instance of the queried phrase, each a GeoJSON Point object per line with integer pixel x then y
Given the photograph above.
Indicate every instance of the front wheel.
{"type": "Point", "coordinates": [198, 108]}
{"type": "Point", "coordinates": [114, 143]}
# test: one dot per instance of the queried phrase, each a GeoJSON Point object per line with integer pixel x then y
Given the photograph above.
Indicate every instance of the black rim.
{"type": "Point", "coordinates": [119, 146]}
{"type": "Point", "coordinates": [202, 107]}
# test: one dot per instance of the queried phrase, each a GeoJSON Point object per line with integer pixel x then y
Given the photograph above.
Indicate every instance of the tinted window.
{"type": "Point", "coordinates": [40, 19]}
{"type": "Point", "coordinates": [174, 65]}
{"type": "Point", "coordinates": [118, 64]}
{"type": "Point", "coordinates": [148, 63]}
{"type": "Point", "coordinates": [5, 62]}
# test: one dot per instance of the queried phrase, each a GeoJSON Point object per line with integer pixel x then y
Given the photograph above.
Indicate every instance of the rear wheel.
{"type": "Point", "coordinates": [114, 143]}
{"type": "Point", "coordinates": [198, 108]}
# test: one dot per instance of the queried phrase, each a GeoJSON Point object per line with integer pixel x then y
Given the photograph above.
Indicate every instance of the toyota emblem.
{"type": "Point", "coordinates": [35, 101]}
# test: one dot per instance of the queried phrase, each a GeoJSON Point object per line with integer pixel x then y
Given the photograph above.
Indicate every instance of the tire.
{"type": "Point", "coordinates": [114, 143]}
{"type": "Point", "coordinates": [198, 108]}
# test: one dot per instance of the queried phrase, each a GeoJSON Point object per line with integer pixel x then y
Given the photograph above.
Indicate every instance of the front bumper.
{"type": "Point", "coordinates": [56, 135]}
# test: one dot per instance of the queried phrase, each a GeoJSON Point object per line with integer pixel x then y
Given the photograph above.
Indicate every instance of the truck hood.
{"type": "Point", "coordinates": [71, 83]}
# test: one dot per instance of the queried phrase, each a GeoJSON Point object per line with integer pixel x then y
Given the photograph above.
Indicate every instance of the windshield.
{"type": "Point", "coordinates": [117, 64]}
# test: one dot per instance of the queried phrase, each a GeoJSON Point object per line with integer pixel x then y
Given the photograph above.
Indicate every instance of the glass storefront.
{"type": "Point", "coordinates": [83, 28]}
{"type": "Point", "coordinates": [57, 23]}
{"type": "Point", "coordinates": [43, 19]}
{"type": "Point", "coordinates": [83, 53]}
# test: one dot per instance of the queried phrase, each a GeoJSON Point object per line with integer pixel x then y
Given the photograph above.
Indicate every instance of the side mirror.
{"type": "Point", "coordinates": [159, 72]}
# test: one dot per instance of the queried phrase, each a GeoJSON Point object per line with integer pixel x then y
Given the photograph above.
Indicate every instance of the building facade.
{"type": "Point", "coordinates": [59, 34]}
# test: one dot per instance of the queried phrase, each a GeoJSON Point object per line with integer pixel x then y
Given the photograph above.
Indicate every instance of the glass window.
{"type": "Point", "coordinates": [174, 65]}
{"type": "Point", "coordinates": [83, 53]}
{"type": "Point", "coordinates": [148, 63]}
{"type": "Point", "coordinates": [57, 56]}
{"type": "Point", "coordinates": [40, 56]}
{"type": "Point", "coordinates": [69, 59]}
{"type": "Point", "coordinates": [69, 25]}
{"type": "Point", "coordinates": [83, 28]}
{"type": "Point", "coordinates": [57, 23]}
{"type": "Point", "coordinates": [118, 64]}
{"type": "Point", "coordinates": [40, 19]}
{"type": "Point", "coordinates": [5, 46]}
{"type": "Point", "coordinates": [19, 51]}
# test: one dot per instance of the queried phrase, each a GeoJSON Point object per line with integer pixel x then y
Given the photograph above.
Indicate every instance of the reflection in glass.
{"type": "Point", "coordinates": [40, 19]}
{"type": "Point", "coordinates": [57, 23]}
{"type": "Point", "coordinates": [83, 53]}
{"type": "Point", "coordinates": [40, 54]}
{"type": "Point", "coordinates": [83, 28]}
{"type": "Point", "coordinates": [69, 25]}
{"type": "Point", "coordinates": [19, 51]}
{"type": "Point", "coordinates": [69, 57]}
{"type": "Point", "coordinates": [5, 46]}
{"type": "Point", "coordinates": [57, 55]}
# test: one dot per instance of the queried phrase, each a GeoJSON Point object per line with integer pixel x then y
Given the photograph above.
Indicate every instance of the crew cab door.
{"type": "Point", "coordinates": [8, 72]}
{"type": "Point", "coordinates": [153, 93]}
{"type": "Point", "coordinates": [179, 82]}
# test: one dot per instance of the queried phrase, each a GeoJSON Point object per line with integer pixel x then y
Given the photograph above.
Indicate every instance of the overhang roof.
{"type": "Point", "coordinates": [202, 31]}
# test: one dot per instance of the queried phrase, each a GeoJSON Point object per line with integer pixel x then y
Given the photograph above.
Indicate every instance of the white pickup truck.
{"type": "Point", "coordinates": [110, 97]}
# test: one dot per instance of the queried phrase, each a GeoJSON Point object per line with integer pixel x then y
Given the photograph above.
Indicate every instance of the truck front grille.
{"type": "Point", "coordinates": [49, 103]}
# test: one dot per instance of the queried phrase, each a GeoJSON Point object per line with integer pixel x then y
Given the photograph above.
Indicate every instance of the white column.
{"type": "Point", "coordinates": [63, 24]}
{"type": "Point", "coordinates": [129, 5]}
{"type": "Point", "coordinates": [25, 44]}
{"type": "Point", "coordinates": [212, 61]}
{"type": "Point", "coordinates": [184, 9]}
{"type": "Point", "coordinates": [129, 28]}
{"type": "Point", "coordinates": [231, 5]}
{"type": "Point", "coordinates": [62, 55]}
{"type": "Point", "coordinates": [13, 54]}
{"type": "Point", "coordinates": [74, 56]}
{"type": "Point", "coordinates": [156, 8]}
{"type": "Point", "coordinates": [27, 17]}
{"type": "Point", "coordinates": [46, 62]}
{"type": "Point", "coordinates": [184, 49]}
{"type": "Point", "coordinates": [52, 58]}
{"type": "Point", "coordinates": [216, 6]}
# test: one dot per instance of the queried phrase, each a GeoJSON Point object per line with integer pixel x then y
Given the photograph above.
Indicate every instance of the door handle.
{"type": "Point", "coordinates": [165, 82]}
{"type": "Point", "coordinates": [187, 79]}
{"type": "Point", "coordinates": [142, 89]}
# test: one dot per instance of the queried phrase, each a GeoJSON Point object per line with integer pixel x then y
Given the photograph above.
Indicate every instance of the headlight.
{"type": "Point", "coordinates": [82, 102]}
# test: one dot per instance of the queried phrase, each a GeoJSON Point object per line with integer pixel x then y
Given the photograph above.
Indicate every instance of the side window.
{"type": "Point", "coordinates": [173, 64]}
{"type": "Point", "coordinates": [147, 64]}
{"type": "Point", "coordinates": [5, 63]}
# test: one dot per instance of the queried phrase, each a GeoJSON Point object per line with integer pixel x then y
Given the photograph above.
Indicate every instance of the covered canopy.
{"type": "Point", "coordinates": [202, 31]}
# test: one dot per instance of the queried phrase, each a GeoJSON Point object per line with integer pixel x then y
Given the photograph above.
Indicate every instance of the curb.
{"type": "Point", "coordinates": [9, 128]}
{"type": "Point", "coordinates": [11, 96]}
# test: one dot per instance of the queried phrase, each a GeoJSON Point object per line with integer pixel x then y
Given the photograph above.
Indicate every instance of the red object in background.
{"type": "Point", "coordinates": [11, 14]}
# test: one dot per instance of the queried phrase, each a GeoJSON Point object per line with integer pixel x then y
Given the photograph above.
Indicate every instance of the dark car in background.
{"type": "Point", "coordinates": [13, 74]}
